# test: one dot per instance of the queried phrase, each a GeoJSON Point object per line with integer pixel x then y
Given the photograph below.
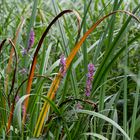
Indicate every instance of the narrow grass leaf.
{"type": "Point", "coordinates": [104, 118]}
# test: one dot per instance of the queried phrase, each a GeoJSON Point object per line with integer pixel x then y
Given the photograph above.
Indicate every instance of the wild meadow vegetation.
{"type": "Point", "coordinates": [70, 69]}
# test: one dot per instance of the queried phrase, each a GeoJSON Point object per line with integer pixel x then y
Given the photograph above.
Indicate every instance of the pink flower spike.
{"type": "Point", "coordinates": [31, 39]}
{"type": "Point", "coordinates": [91, 70]}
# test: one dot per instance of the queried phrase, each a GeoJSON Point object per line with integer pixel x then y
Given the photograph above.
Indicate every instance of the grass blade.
{"type": "Point", "coordinates": [106, 119]}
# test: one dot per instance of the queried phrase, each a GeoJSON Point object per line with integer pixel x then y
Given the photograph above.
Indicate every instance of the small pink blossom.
{"type": "Point", "coordinates": [63, 64]}
{"type": "Point", "coordinates": [31, 39]}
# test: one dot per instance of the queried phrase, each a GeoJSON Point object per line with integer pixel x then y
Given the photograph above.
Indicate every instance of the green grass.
{"type": "Point", "coordinates": [112, 110]}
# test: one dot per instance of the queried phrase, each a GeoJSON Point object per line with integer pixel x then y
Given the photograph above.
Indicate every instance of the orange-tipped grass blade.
{"type": "Point", "coordinates": [55, 83]}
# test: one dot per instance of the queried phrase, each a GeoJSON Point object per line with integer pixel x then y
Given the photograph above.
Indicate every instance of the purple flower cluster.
{"type": "Point", "coordinates": [91, 70]}
{"type": "Point", "coordinates": [63, 64]}
{"type": "Point", "coordinates": [31, 39]}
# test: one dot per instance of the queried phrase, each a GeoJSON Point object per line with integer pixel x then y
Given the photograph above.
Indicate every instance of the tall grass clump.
{"type": "Point", "coordinates": [69, 70]}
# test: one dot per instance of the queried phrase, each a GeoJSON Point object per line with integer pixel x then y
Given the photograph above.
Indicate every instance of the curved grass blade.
{"type": "Point", "coordinates": [15, 69]}
{"type": "Point", "coordinates": [8, 69]}
{"type": "Point", "coordinates": [28, 89]}
{"type": "Point", "coordinates": [56, 82]}
{"type": "Point", "coordinates": [106, 119]}
{"type": "Point", "coordinates": [13, 80]}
